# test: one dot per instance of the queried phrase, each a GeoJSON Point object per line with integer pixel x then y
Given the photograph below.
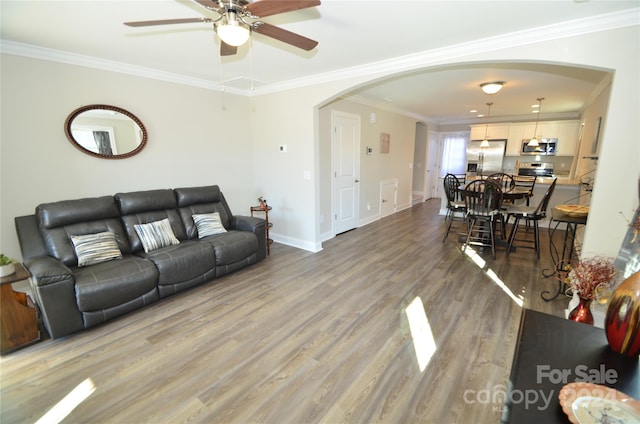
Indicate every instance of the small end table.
{"type": "Point", "coordinates": [18, 318]}
{"type": "Point", "coordinates": [264, 209]}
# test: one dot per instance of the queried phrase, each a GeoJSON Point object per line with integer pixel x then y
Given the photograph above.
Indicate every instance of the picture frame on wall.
{"type": "Point", "coordinates": [385, 142]}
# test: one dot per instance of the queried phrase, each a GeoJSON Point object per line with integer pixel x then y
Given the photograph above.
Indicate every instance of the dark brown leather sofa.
{"type": "Point", "coordinates": [72, 297]}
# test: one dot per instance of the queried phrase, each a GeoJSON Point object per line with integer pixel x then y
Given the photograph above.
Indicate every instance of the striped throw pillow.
{"type": "Point", "coordinates": [208, 224]}
{"type": "Point", "coordinates": [155, 235]}
{"type": "Point", "coordinates": [95, 248]}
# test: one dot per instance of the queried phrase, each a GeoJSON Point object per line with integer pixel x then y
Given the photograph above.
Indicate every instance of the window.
{"type": "Point", "coordinates": [454, 153]}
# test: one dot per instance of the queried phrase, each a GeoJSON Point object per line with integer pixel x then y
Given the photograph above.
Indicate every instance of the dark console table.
{"type": "Point", "coordinates": [552, 352]}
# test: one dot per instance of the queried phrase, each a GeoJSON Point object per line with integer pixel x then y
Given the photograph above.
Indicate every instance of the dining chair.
{"type": "Point", "coordinates": [504, 180]}
{"type": "Point", "coordinates": [483, 199]}
{"type": "Point", "coordinates": [525, 181]}
{"type": "Point", "coordinates": [530, 215]}
{"type": "Point", "coordinates": [462, 178]}
{"type": "Point", "coordinates": [456, 208]}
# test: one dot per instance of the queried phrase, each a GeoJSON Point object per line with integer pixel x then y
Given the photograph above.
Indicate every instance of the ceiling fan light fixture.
{"type": "Point", "coordinates": [233, 33]}
{"type": "Point", "coordinates": [492, 87]}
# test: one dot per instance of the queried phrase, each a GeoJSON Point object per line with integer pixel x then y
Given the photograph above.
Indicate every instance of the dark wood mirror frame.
{"type": "Point", "coordinates": [69, 122]}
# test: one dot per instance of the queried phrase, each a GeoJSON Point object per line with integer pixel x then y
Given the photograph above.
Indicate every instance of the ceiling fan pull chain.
{"type": "Point", "coordinates": [251, 64]}
{"type": "Point", "coordinates": [221, 75]}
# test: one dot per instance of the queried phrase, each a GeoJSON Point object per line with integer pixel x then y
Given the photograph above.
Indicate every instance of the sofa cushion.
{"type": "Point", "coordinates": [58, 220]}
{"type": "Point", "coordinates": [208, 224]}
{"type": "Point", "coordinates": [201, 200]}
{"type": "Point", "coordinates": [114, 283]}
{"type": "Point", "coordinates": [96, 248]}
{"type": "Point", "coordinates": [155, 235]}
{"type": "Point", "coordinates": [184, 265]}
{"type": "Point", "coordinates": [233, 246]}
{"type": "Point", "coordinates": [143, 207]}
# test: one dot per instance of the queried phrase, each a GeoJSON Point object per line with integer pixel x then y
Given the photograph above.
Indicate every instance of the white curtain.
{"type": "Point", "coordinates": [454, 153]}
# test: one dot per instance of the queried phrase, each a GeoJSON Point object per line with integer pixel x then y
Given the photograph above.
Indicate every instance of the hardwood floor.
{"type": "Point", "coordinates": [303, 337]}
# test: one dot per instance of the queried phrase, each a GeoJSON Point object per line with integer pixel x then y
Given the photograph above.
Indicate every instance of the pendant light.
{"type": "Point", "coordinates": [534, 141]}
{"type": "Point", "coordinates": [485, 142]}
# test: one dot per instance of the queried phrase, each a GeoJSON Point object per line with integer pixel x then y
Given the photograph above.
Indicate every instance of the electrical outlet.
{"type": "Point", "coordinates": [283, 148]}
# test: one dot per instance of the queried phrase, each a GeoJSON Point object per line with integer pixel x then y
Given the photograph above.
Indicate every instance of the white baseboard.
{"type": "Point", "coordinates": [294, 242]}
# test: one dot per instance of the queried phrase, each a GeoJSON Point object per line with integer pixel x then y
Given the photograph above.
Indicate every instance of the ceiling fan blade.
{"type": "Point", "coordinates": [227, 50]}
{"type": "Point", "coordinates": [167, 22]}
{"type": "Point", "coordinates": [285, 36]}
{"type": "Point", "coordinates": [264, 8]}
{"type": "Point", "coordinates": [210, 4]}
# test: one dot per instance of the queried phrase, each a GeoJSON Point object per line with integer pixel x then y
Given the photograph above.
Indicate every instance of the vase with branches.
{"type": "Point", "coordinates": [585, 279]}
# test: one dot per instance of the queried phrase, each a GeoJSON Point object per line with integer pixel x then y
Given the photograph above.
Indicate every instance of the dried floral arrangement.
{"type": "Point", "coordinates": [583, 277]}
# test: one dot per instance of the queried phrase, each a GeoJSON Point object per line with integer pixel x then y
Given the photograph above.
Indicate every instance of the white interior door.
{"type": "Point", "coordinates": [345, 145]}
{"type": "Point", "coordinates": [432, 168]}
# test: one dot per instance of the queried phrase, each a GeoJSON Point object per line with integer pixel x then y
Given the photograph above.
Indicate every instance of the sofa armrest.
{"type": "Point", "coordinates": [255, 225]}
{"type": "Point", "coordinates": [53, 288]}
{"type": "Point", "coordinates": [47, 270]}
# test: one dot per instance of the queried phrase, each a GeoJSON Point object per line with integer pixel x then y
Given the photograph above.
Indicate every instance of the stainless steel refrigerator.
{"type": "Point", "coordinates": [485, 160]}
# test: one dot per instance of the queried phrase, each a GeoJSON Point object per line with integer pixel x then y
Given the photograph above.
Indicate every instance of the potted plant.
{"type": "Point", "coordinates": [584, 279]}
{"type": "Point", "coordinates": [7, 265]}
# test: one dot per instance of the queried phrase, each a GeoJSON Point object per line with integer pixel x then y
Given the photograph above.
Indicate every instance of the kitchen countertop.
{"type": "Point", "coordinates": [563, 180]}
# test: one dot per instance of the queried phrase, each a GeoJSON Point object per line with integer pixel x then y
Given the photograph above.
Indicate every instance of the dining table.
{"type": "Point", "coordinates": [509, 196]}
{"type": "Point", "coordinates": [513, 193]}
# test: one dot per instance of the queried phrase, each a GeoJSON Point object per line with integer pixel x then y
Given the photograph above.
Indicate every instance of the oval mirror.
{"type": "Point", "coordinates": [104, 131]}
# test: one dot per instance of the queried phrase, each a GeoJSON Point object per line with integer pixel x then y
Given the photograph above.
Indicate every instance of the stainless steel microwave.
{"type": "Point", "coordinates": [545, 147]}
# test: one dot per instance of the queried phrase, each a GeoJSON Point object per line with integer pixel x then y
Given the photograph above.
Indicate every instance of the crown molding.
{"type": "Point", "coordinates": [388, 107]}
{"type": "Point", "coordinates": [35, 52]}
{"type": "Point", "coordinates": [626, 18]}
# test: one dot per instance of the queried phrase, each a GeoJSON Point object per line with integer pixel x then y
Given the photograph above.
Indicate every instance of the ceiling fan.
{"type": "Point", "coordinates": [237, 20]}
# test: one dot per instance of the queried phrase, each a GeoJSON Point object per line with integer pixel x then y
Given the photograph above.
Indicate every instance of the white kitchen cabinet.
{"type": "Point", "coordinates": [565, 131]}
{"type": "Point", "coordinates": [495, 132]}
{"type": "Point", "coordinates": [517, 132]}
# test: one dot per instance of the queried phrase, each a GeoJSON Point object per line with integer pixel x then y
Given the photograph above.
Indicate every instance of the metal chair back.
{"type": "Point", "coordinates": [505, 181]}
{"type": "Point", "coordinates": [541, 210]}
{"type": "Point", "coordinates": [483, 198]}
{"type": "Point", "coordinates": [451, 189]}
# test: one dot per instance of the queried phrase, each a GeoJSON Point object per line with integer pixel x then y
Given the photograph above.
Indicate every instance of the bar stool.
{"type": "Point", "coordinates": [455, 203]}
{"type": "Point", "coordinates": [530, 215]}
{"type": "Point", "coordinates": [483, 200]}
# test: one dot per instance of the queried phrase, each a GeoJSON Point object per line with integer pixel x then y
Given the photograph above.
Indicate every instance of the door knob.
{"type": "Point", "coordinates": [357, 180]}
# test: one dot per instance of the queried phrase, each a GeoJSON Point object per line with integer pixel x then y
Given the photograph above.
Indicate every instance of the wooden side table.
{"type": "Point", "coordinates": [265, 210]}
{"type": "Point", "coordinates": [18, 318]}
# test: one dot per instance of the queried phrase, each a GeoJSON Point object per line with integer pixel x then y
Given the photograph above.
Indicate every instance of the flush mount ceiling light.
{"type": "Point", "coordinates": [492, 87]}
{"type": "Point", "coordinates": [485, 142]}
{"type": "Point", "coordinates": [534, 141]}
